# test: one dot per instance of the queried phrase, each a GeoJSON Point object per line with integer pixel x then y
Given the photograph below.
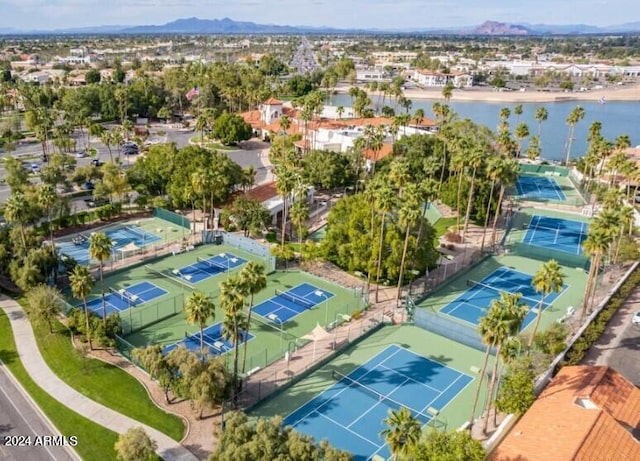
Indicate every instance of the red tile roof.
{"type": "Point", "coordinates": [273, 101]}
{"type": "Point", "coordinates": [585, 413]}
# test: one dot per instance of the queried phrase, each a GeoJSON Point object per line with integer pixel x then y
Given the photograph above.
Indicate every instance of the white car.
{"type": "Point", "coordinates": [636, 318]}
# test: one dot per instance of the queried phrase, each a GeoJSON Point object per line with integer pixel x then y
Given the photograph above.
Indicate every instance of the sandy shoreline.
{"type": "Point", "coordinates": [612, 93]}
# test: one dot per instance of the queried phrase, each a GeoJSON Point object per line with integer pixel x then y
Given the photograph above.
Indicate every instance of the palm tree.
{"type": "Point", "coordinates": [385, 200]}
{"type": "Point", "coordinates": [234, 324]}
{"type": "Point", "coordinates": [100, 249]}
{"type": "Point", "coordinates": [47, 197]}
{"type": "Point", "coordinates": [252, 281]}
{"type": "Point", "coordinates": [286, 179]}
{"type": "Point", "coordinates": [493, 328]}
{"type": "Point", "coordinates": [81, 287]}
{"type": "Point", "coordinates": [494, 170]}
{"type": "Point", "coordinates": [548, 279]}
{"type": "Point", "coordinates": [474, 161]}
{"type": "Point", "coordinates": [541, 115]}
{"type": "Point", "coordinates": [521, 132]}
{"type": "Point", "coordinates": [298, 216]}
{"type": "Point", "coordinates": [285, 123]}
{"type": "Point", "coordinates": [457, 165]}
{"type": "Point", "coordinates": [418, 116]}
{"type": "Point", "coordinates": [403, 432]}
{"type": "Point", "coordinates": [16, 212]}
{"type": "Point", "coordinates": [199, 308]}
{"type": "Point", "coordinates": [106, 137]}
{"type": "Point", "coordinates": [447, 92]}
{"type": "Point", "coordinates": [340, 111]}
{"type": "Point", "coordinates": [513, 313]}
{"type": "Point", "coordinates": [408, 214]}
{"type": "Point", "coordinates": [517, 110]}
{"type": "Point", "coordinates": [573, 118]}
{"type": "Point", "coordinates": [596, 244]}
{"type": "Point", "coordinates": [508, 177]}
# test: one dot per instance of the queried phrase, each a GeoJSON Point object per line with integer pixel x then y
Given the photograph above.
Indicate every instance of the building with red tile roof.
{"type": "Point", "coordinates": [586, 413]}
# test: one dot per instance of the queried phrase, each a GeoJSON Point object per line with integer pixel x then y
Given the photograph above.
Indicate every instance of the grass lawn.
{"type": "Point", "coordinates": [441, 227]}
{"type": "Point", "coordinates": [103, 383]}
{"type": "Point", "coordinates": [94, 441]}
{"type": "Point", "coordinates": [212, 144]}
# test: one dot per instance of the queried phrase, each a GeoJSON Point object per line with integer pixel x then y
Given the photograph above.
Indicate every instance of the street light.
{"type": "Point", "coordinates": [326, 305]}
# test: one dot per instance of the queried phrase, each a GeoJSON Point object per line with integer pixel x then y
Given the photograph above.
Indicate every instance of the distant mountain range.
{"type": "Point", "coordinates": [229, 26]}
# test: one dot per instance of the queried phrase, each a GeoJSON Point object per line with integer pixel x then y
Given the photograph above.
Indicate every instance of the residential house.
{"type": "Point", "coordinates": [429, 78]}
{"type": "Point", "coordinates": [586, 413]}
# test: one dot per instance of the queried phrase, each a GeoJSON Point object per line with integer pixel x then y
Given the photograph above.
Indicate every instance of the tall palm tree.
{"type": "Point", "coordinates": [573, 118]}
{"type": "Point", "coordinates": [47, 198]}
{"type": "Point", "coordinates": [447, 92]}
{"type": "Point", "coordinates": [492, 328]}
{"type": "Point", "coordinates": [521, 133]}
{"type": "Point", "coordinates": [494, 167]}
{"type": "Point", "coordinates": [16, 212]}
{"type": "Point", "coordinates": [507, 178]}
{"type": "Point", "coordinates": [286, 180]}
{"type": "Point", "coordinates": [517, 110]}
{"type": "Point", "coordinates": [234, 324]}
{"type": "Point", "coordinates": [474, 160]}
{"type": "Point", "coordinates": [541, 115]}
{"type": "Point", "coordinates": [596, 245]}
{"type": "Point", "coordinates": [100, 249]}
{"type": "Point", "coordinates": [403, 432]}
{"type": "Point", "coordinates": [81, 287]}
{"type": "Point", "coordinates": [285, 123]}
{"type": "Point", "coordinates": [385, 201]}
{"type": "Point", "coordinates": [299, 214]}
{"type": "Point", "coordinates": [457, 164]}
{"type": "Point", "coordinates": [418, 116]}
{"type": "Point", "coordinates": [513, 313]}
{"type": "Point", "coordinates": [252, 281]}
{"type": "Point", "coordinates": [408, 214]}
{"type": "Point", "coordinates": [548, 279]}
{"type": "Point", "coordinates": [199, 308]}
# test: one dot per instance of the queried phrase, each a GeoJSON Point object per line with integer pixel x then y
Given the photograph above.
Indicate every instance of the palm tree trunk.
{"type": "Point", "coordinates": [538, 318]}
{"type": "Point", "coordinates": [497, 215]}
{"type": "Point", "coordinates": [444, 164]}
{"type": "Point", "coordinates": [595, 281]}
{"type": "Point", "coordinates": [202, 341]}
{"type": "Point", "coordinates": [494, 374]}
{"type": "Point", "coordinates": [458, 201]}
{"type": "Point", "coordinates": [284, 219]}
{"type": "Point", "coordinates": [569, 143]}
{"type": "Point", "coordinates": [379, 265]}
{"type": "Point", "coordinates": [467, 215]}
{"type": "Point", "coordinates": [104, 302]}
{"type": "Point", "coordinates": [486, 217]}
{"type": "Point", "coordinates": [404, 256]}
{"type": "Point", "coordinates": [589, 286]}
{"type": "Point", "coordinates": [88, 325]}
{"type": "Point", "coordinates": [246, 342]}
{"type": "Point", "coordinates": [480, 379]}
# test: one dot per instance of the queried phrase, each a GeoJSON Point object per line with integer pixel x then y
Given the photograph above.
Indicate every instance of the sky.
{"type": "Point", "coordinates": [382, 14]}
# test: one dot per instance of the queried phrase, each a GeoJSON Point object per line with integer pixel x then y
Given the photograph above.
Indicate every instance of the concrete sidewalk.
{"type": "Point", "coordinates": [29, 354]}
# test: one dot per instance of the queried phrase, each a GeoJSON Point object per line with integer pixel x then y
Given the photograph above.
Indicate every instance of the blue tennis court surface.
{"type": "Point", "coordinates": [123, 298]}
{"type": "Point", "coordinates": [214, 341]}
{"type": "Point", "coordinates": [557, 234]}
{"type": "Point", "coordinates": [202, 269]}
{"type": "Point", "coordinates": [286, 305]}
{"type": "Point", "coordinates": [539, 187]}
{"type": "Point", "coordinates": [474, 303]}
{"type": "Point", "coordinates": [78, 249]}
{"type": "Point", "coordinates": [350, 413]}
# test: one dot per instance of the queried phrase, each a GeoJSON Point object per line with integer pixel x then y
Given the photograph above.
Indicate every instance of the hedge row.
{"type": "Point", "coordinates": [595, 329]}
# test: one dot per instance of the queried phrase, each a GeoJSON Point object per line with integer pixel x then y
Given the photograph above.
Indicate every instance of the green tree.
{"type": "Point", "coordinates": [409, 213]}
{"type": "Point", "coordinates": [155, 362]}
{"type": "Point", "coordinates": [541, 115]}
{"type": "Point", "coordinates": [548, 279]}
{"type": "Point", "coordinates": [385, 200]}
{"type": "Point", "coordinates": [135, 445]}
{"type": "Point", "coordinates": [573, 118]}
{"type": "Point", "coordinates": [516, 393]}
{"type": "Point", "coordinates": [45, 302]}
{"type": "Point", "coordinates": [17, 212]}
{"type": "Point", "coordinates": [234, 324]}
{"type": "Point", "coordinates": [252, 281]}
{"type": "Point", "coordinates": [249, 215]}
{"type": "Point", "coordinates": [448, 446]}
{"type": "Point", "coordinates": [402, 433]}
{"type": "Point", "coordinates": [595, 245]}
{"type": "Point", "coordinates": [100, 246]}
{"type": "Point", "coordinates": [199, 308]}
{"type": "Point", "coordinates": [231, 129]}
{"type": "Point", "coordinates": [521, 133]}
{"type": "Point", "coordinates": [475, 159]}
{"type": "Point", "coordinates": [82, 284]}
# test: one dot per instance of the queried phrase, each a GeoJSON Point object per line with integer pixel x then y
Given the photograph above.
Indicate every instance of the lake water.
{"type": "Point", "coordinates": [617, 118]}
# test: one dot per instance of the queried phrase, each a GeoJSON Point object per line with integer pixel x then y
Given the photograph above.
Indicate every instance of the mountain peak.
{"type": "Point", "coordinates": [499, 28]}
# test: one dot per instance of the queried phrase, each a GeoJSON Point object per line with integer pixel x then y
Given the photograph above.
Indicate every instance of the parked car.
{"type": "Point", "coordinates": [636, 318]}
{"type": "Point", "coordinates": [95, 202]}
{"type": "Point", "coordinates": [88, 185]}
{"type": "Point", "coordinates": [35, 168]}
{"type": "Point", "coordinates": [81, 154]}
{"type": "Point", "coordinates": [97, 162]}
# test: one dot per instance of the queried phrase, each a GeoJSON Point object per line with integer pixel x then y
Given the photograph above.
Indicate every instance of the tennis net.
{"type": "Point", "coordinates": [213, 264]}
{"type": "Point", "coordinates": [172, 278]}
{"type": "Point", "coordinates": [132, 300]}
{"type": "Point", "coordinates": [350, 382]}
{"type": "Point", "coordinates": [295, 299]}
{"type": "Point", "coordinates": [138, 232]}
{"type": "Point", "coordinates": [530, 301]}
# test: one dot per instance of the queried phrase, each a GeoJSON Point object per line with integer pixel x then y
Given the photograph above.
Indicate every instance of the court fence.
{"type": "Point", "coordinates": [545, 254]}
{"type": "Point", "coordinates": [544, 169]}
{"type": "Point", "coordinates": [298, 362]}
{"type": "Point", "coordinates": [249, 245]}
{"type": "Point", "coordinates": [172, 217]}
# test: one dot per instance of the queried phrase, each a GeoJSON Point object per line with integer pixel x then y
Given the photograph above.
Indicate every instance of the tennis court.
{"type": "Point", "coordinates": [118, 300]}
{"type": "Point", "coordinates": [203, 268]}
{"type": "Point", "coordinates": [121, 236]}
{"type": "Point", "coordinates": [474, 303]}
{"type": "Point", "coordinates": [539, 187]}
{"type": "Point", "coordinates": [351, 413]}
{"type": "Point", "coordinates": [556, 233]}
{"type": "Point", "coordinates": [213, 339]}
{"type": "Point", "coordinates": [285, 305]}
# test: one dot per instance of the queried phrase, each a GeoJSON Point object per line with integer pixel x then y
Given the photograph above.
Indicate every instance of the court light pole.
{"type": "Point", "coordinates": [326, 305]}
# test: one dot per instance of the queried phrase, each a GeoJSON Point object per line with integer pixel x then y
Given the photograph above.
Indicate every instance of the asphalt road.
{"type": "Point", "coordinates": [21, 422]}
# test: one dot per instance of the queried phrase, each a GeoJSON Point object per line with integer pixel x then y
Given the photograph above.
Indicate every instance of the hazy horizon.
{"type": "Point", "coordinates": [343, 14]}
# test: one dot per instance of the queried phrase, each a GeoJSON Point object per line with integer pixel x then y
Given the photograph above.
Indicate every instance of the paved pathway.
{"type": "Point", "coordinates": [29, 354]}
